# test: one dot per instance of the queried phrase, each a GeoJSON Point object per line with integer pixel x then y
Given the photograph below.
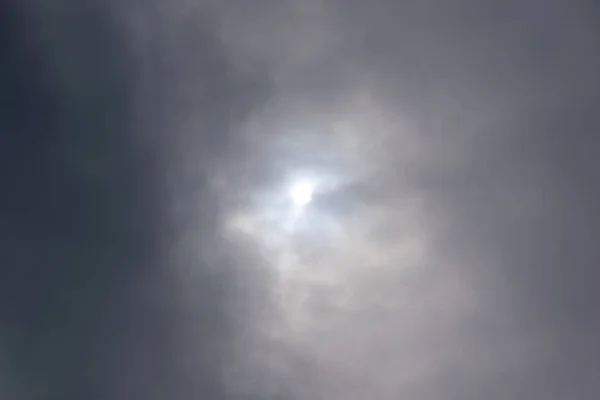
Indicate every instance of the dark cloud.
{"type": "Point", "coordinates": [150, 248]}
{"type": "Point", "coordinates": [88, 307]}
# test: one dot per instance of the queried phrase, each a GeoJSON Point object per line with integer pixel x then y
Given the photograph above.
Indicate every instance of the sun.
{"type": "Point", "coordinates": [301, 192]}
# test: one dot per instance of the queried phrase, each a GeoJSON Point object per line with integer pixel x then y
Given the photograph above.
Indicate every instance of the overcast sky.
{"type": "Point", "coordinates": [151, 248]}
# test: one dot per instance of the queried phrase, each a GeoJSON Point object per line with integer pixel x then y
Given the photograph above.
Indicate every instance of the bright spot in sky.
{"type": "Point", "coordinates": [301, 192]}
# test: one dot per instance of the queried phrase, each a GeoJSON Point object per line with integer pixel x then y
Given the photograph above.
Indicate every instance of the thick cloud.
{"type": "Point", "coordinates": [150, 249]}
{"type": "Point", "coordinates": [89, 307]}
{"type": "Point", "coordinates": [466, 259]}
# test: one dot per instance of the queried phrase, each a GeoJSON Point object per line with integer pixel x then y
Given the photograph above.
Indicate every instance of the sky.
{"type": "Point", "coordinates": [154, 244]}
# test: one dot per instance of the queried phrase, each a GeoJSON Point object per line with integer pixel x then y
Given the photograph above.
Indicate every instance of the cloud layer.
{"type": "Point", "coordinates": [450, 248]}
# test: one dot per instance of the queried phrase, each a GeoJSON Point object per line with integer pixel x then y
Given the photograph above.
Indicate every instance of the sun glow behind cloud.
{"type": "Point", "coordinates": [301, 192]}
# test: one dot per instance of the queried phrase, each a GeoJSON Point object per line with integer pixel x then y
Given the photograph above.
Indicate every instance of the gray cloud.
{"type": "Point", "coordinates": [481, 115]}
{"type": "Point", "coordinates": [450, 248]}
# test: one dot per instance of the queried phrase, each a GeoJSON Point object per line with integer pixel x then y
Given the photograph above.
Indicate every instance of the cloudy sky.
{"type": "Point", "coordinates": [300, 199]}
